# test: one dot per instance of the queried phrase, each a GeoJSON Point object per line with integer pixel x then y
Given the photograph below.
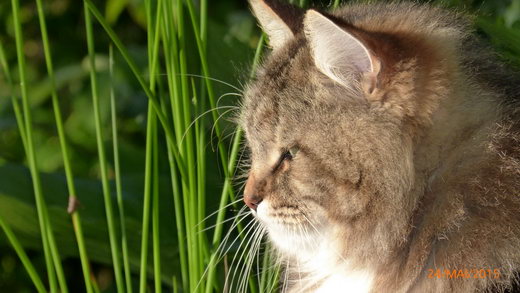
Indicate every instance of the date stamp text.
{"type": "Point", "coordinates": [481, 273]}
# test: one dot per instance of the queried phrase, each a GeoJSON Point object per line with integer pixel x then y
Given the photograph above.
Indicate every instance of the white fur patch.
{"type": "Point", "coordinates": [356, 282]}
{"type": "Point", "coordinates": [317, 258]}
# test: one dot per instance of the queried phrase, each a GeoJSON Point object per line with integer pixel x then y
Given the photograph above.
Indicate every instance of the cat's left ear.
{"type": "Point", "coordinates": [337, 53]}
{"type": "Point", "coordinates": [280, 21]}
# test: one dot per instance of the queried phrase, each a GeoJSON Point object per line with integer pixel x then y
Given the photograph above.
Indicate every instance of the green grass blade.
{"type": "Point", "coordinates": [101, 154]}
{"type": "Point", "coordinates": [153, 56]}
{"type": "Point", "coordinates": [155, 217]}
{"type": "Point", "coordinates": [200, 144]}
{"type": "Point", "coordinates": [35, 278]}
{"type": "Point", "coordinates": [76, 220]}
{"type": "Point", "coordinates": [133, 67]}
{"type": "Point", "coordinates": [117, 175]}
{"type": "Point", "coordinates": [154, 37]}
{"type": "Point", "coordinates": [179, 218]}
{"type": "Point", "coordinates": [217, 235]}
{"type": "Point", "coordinates": [55, 255]}
{"type": "Point", "coordinates": [187, 151]}
{"type": "Point", "coordinates": [170, 48]}
{"type": "Point", "coordinates": [209, 84]}
{"type": "Point", "coordinates": [150, 130]}
{"type": "Point", "coordinates": [40, 202]}
{"type": "Point", "coordinates": [14, 100]}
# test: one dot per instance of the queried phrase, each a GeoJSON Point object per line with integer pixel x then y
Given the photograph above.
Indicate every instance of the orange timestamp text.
{"type": "Point", "coordinates": [464, 274]}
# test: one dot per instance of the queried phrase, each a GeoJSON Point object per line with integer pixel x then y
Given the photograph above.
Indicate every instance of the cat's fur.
{"type": "Point", "coordinates": [408, 150]}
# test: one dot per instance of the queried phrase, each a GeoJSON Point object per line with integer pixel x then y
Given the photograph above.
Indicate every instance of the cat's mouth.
{"type": "Point", "coordinates": [289, 228]}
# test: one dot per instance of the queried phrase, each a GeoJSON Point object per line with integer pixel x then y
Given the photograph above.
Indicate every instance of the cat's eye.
{"type": "Point", "coordinates": [290, 153]}
{"type": "Point", "coordinates": [293, 151]}
{"type": "Point", "coordinates": [286, 155]}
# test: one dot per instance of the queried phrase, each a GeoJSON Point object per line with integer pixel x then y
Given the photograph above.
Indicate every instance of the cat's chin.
{"type": "Point", "coordinates": [290, 237]}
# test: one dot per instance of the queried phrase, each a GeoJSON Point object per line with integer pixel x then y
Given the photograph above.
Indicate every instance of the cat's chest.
{"type": "Point", "coordinates": [345, 282]}
{"type": "Point", "coordinates": [325, 274]}
{"type": "Point", "coordinates": [358, 282]}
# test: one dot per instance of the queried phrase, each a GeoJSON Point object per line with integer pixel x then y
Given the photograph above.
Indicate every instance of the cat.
{"type": "Point", "coordinates": [385, 150]}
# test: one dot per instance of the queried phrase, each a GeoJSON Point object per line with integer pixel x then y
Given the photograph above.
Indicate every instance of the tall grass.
{"type": "Point", "coordinates": [213, 249]}
{"type": "Point", "coordinates": [52, 259]}
{"type": "Point", "coordinates": [178, 129]}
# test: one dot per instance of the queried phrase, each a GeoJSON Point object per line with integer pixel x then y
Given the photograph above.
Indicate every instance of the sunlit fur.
{"type": "Point", "coordinates": [413, 168]}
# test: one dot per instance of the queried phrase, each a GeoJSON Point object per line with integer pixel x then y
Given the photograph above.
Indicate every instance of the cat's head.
{"type": "Point", "coordinates": [330, 122]}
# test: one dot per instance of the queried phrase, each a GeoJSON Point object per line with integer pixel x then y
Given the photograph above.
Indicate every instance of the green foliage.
{"type": "Point", "coordinates": [112, 140]}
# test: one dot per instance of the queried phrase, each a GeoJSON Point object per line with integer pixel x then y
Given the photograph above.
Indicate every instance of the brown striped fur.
{"type": "Point", "coordinates": [419, 172]}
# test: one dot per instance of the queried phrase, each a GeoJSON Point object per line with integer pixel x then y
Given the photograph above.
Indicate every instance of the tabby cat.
{"type": "Point", "coordinates": [385, 150]}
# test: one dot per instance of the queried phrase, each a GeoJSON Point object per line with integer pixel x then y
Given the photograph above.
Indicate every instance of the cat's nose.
{"type": "Point", "coordinates": [251, 195]}
{"type": "Point", "coordinates": [252, 201]}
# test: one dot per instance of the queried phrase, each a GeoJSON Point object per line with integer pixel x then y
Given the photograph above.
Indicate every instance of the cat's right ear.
{"type": "Point", "coordinates": [278, 20]}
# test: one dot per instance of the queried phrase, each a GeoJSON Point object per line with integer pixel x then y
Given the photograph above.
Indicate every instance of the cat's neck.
{"type": "Point", "coordinates": [455, 141]}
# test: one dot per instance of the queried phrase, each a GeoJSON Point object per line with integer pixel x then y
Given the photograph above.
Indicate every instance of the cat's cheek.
{"type": "Point", "coordinates": [261, 211]}
{"type": "Point", "coordinates": [263, 214]}
{"type": "Point", "coordinates": [278, 236]}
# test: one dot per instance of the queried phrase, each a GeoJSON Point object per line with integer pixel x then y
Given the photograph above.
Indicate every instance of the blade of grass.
{"type": "Point", "coordinates": [21, 126]}
{"type": "Point", "coordinates": [170, 49]}
{"type": "Point", "coordinates": [153, 43]}
{"type": "Point", "coordinates": [52, 259]}
{"type": "Point", "coordinates": [208, 82]}
{"type": "Point", "coordinates": [114, 247]}
{"type": "Point", "coordinates": [14, 99]}
{"type": "Point", "coordinates": [150, 130]}
{"type": "Point", "coordinates": [155, 217]}
{"type": "Point", "coordinates": [133, 67]}
{"type": "Point", "coordinates": [170, 52]}
{"type": "Point", "coordinates": [200, 142]}
{"type": "Point", "coordinates": [200, 39]}
{"type": "Point", "coordinates": [76, 220]}
{"type": "Point", "coordinates": [153, 56]}
{"type": "Point", "coordinates": [217, 234]}
{"type": "Point", "coordinates": [117, 171]}
{"type": "Point", "coordinates": [189, 190]}
{"type": "Point", "coordinates": [35, 278]}
{"type": "Point", "coordinates": [179, 216]}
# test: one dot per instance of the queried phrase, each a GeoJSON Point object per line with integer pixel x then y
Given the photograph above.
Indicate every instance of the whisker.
{"type": "Point", "coordinates": [215, 124]}
{"type": "Point", "coordinates": [250, 224]}
{"type": "Point", "coordinates": [250, 258]}
{"type": "Point", "coordinates": [199, 76]}
{"type": "Point", "coordinates": [218, 210]}
{"type": "Point", "coordinates": [250, 230]}
{"type": "Point", "coordinates": [227, 95]}
{"type": "Point", "coordinates": [200, 116]}
{"type": "Point", "coordinates": [214, 79]}
{"type": "Point", "coordinates": [215, 225]}
{"type": "Point", "coordinates": [222, 244]}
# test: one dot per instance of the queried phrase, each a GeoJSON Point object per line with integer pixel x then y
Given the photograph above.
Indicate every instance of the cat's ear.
{"type": "Point", "coordinates": [278, 20]}
{"type": "Point", "coordinates": [337, 53]}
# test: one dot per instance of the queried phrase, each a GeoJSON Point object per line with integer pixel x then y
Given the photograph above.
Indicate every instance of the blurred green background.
{"type": "Point", "coordinates": [232, 39]}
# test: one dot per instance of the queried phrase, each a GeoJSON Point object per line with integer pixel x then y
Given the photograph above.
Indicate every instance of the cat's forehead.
{"type": "Point", "coordinates": [282, 86]}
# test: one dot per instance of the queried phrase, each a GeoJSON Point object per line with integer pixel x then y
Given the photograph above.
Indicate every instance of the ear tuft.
{"type": "Point", "coordinates": [279, 21]}
{"type": "Point", "coordinates": [337, 53]}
